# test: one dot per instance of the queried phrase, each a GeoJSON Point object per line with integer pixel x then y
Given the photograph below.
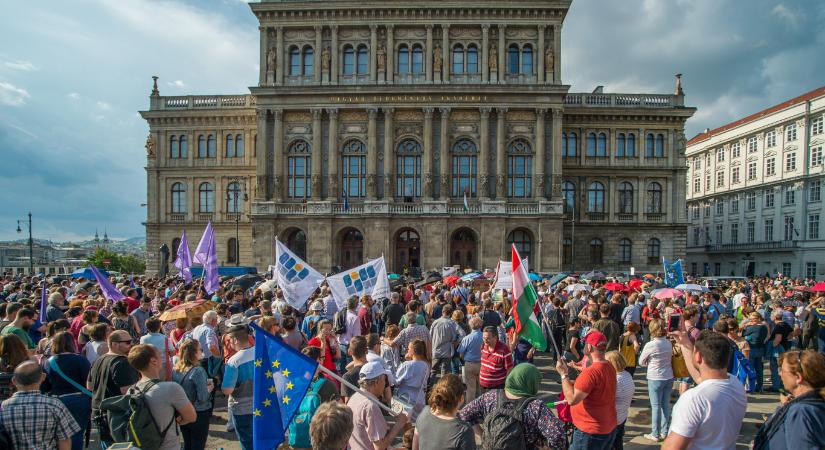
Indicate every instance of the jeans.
{"type": "Point", "coordinates": [472, 371]}
{"type": "Point", "coordinates": [618, 437]}
{"type": "Point", "coordinates": [441, 367]}
{"type": "Point", "coordinates": [659, 393]}
{"type": "Point", "coordinates": [195, 433]}
{"type": "Point", "coordinates": [344, 358]}
{"type": "Point", "coordinates": [757, 362]}
{"type": "Point", "coordinates": [80, 406]}
{"type": "Point", "coordinates": [774, 352]}
{"type": "Point", "coordinates": [243, 429]}
{"type": "Point", "coordinates": [820, 340]}
{"type": "Point", "coordinates": [586, 441]}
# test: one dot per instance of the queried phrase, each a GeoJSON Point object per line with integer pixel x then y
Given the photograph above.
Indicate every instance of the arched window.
{"type": "Point", "coordinates": [458, 58]}
{"type": "Point", "coordinates": [211, 146]}
{"type": "Point", "coordinates": [299, 170]}
{"type": "Point", "coordinates": [620, 145]}
{"type": "Point", "coordinates": [239, 147]}
{"type": "Point", "coordinates": [403, 59]}
{"type": "Point", "coordinates": [354, 168]}
{"type": "Point", "coordinates": [512, 59]}
{"type": "Point", "coordinates": [567, 251]}
{"type": "Point", "coordinates": [230, 146]}
{"type": "Point", "coordinates": [309, 61]}
{"type": "Point", "coordinates": [625, 197]}
{"type": "Point", "coordinates": [654, 249]}
{"type": "Point", "coordinates": [472, 58]}
{"type": "Point", "coordinates": [363, 60]}
{"type": "Point", "coordinates": [175, 245]}
{"type": "Point", "coordinates": [174, 148]}
{"type": "Point", "coordinates": [232, 250]}
{"type": "Point", "coordinates": [660, 146]}
{"type": "Point", "coordinates": [178, 198]}
{"type": "Point", "coordinates": [417, 59]}
{"type": "Point", "coordinates": [571, 144]}
{"type": "Point", "coordinates": [523, 242]}
{"type": "Point", "coordinates": [234, 198]}
{"type": "Point", "coordinates": [630, 151]}
{"type": "Point", "coordinates": [649, 146]}
{"type": "Point", "coordinates": [297, 242]}
{"type": "Point", "coordinates": [408, 168]}
{"type": "Point", "coordinates": [184, 146]}
{"type": "Point", "coordinates": [625, 251]}
{"type": "Point", "coordinates": [201, 146]}
{"type": "Point", "coordinates": [595, 197]}
{"type": "Point", "coordinates": [294, 61]}
{"type": "Point", "coordinates": [601, 145]}
{"type": "Point", "coordinates": [349, 60]}
{"type": "Point", "coordinates": [519, 169]}
{"type": "Point", "coordinates": [568, 189]}
{"type": "Point", "coordinates": [591, 144]}
{"type": "Point", "coordinates": [527, 59]}
{"type": "Point", "coordinates": [596, 251]}
{"type": "Point", "coordinates": [206, 198]}
{"type": "Point", "coordinates": [464, 168]}
{"type": "Point", "coordinates": [654, 198]}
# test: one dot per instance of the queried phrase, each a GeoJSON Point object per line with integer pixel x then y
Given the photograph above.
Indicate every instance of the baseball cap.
{"type": "Point", "coordinates": [317, 306]}
{"type": "Point", "coordinates": [596, 339]}
{"type": "Point", "coordinates": [372, 370]}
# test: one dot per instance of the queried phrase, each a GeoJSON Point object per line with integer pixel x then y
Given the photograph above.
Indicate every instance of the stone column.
{"type": "Point", "coordinates": [279, 56]}
{"type": "Point", "coordinates": [260, 157]}
{"type": "Point", "coordinates": [485, 53]}
{"type": "Point", "coordinates": [428, 55]}
{"type": "Point", "coordinates": [541, 154]}
{"type": "Point", "coordinates": [445, 154]}
{"type": "Point", "coordinates": [317, 153]}
{"type": "Point", "coordinates": [390, 64]}
{"type": "Point", "coordinates": [373, 53]}
{"type": "Point", "coordinates": [558, 115]}
{"type": "Point", "coordinates": [426, 163]}
{"type": "Point", "coordinates": [557, 53]}
{"type": "Point", "coordinates": [263, 50]}
{"type": "Point", "coordinates": [445, 53]}
{"type": "Point", "coordinates": [372, 154]}
{"type": "Point", "coordinates": [319, 33]}
{"type": "Point", "coordinates": [278, 156]}
{"type": "Point", "coordinates": [502, 51]}
{"type": "Point", "coordinates": [501, 156]}
{"type": "Point", "coordinates": [333, 66]}
{"type": "Point", "coordinates": [540, 57]}
{"type": "Point", "coordinates": [389, 155]}
{"type": "Point", "coordinates": [484, 159]}
{"type": "Point", "coordinates": [333, 158]}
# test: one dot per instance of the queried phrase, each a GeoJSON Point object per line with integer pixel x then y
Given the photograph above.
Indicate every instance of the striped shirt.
{"type": "Point", "coordinates": [495, 365]}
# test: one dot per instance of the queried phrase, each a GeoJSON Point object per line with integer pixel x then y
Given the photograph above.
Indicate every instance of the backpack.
{"type": "Point", "coordinates": [299, 427]}
{"type": "Point", "coordinates": [557, 318]}
{"type": "Point", "coordinates": [339, 322]}
{"type": "Point", "coordinates": [627, 350]}
{"type": "Point", "coordinates": [743, 371]}
{"type": "Point", "coordinates": [503, 429]}
{"type": "Point", "coordinates": [131, 420]}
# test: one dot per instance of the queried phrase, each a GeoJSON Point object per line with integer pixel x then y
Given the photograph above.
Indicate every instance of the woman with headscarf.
{"type": "Point", "coordinates": [541, 427]}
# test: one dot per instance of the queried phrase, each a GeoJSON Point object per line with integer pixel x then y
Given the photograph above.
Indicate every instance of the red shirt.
{"type": "Point", "coordinates": [494, 365]}
{"type": "Point", "coordinates": [131, 304]}
{"type": "Point", "coordinates": [329, 363]}
{"type": "Point", "coordinates": [596, 414]}
{"type": "Point", "coordinates": [365, 318]}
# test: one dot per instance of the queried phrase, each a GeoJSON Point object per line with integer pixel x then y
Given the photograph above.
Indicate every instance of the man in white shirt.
{"type": "Point", "coordinates": [353, 329]}
{"type": "Point", "coordinates": [709, 415]}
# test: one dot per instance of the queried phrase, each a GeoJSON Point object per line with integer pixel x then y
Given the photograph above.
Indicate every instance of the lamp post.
{"type": "Point", "coordinates": [234, 197]}
{"type": "Point", "coordinates": [31, 243]}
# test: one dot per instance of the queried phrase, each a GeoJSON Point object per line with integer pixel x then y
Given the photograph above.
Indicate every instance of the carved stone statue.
{"type": "Point", "coordinates": [493, 58]}
{"type": "Point", "coordinates": [371, 186]}
{"type": "Point", "coordinates": [500, 186]}
{"type": "Point", "coordinates": [150, 146]}
{"type": "Point", "coordinates": [270, 60]}
{"type": "Point", "coordinates": [428, 185]}
{"type": "Point", "coordinates": [437, 61]}
{"type": "Point", "coordinates": [485, 185]}
{"type": "Point", "coordinates": [382, 57]}
{"type": "Point", "coordinates": [276, 187]}
{"type": "Point", "coordinates": [332, 184]}
{"type": "Point", "coordinates": [540, 186]}
{"type": "Point", "coordinates": [548, 60]}
{"type": "Point", "coordinates": [325, 59]}
{"type": "Point", "coordinates": [445, 185]}
{"type": "Point", "coordinates": [388, 191]}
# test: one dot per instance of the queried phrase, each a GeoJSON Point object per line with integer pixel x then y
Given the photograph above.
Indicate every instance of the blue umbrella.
{"type": "Point", "coordinates": [393, 276]}
{"type": "Point", "coordinates": [534, 276]}
{"type": "Point", "coordinates": [556, 278]}
{"type": "Point", "coordinates": [471, 276]}
{"type": "Point", "coordinates": [87, 273]}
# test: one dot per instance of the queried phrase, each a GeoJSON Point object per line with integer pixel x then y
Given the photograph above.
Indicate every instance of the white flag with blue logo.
{"type": "Point", "coordinates": [295, 277]}
{"type": "Point", "coordinates": [366, 279]}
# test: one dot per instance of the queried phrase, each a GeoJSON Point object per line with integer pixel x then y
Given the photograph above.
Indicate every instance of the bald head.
{"type": "Point", "coordinates": [119, 342]}
{"type": "Point", "coordinates": [28, 375]}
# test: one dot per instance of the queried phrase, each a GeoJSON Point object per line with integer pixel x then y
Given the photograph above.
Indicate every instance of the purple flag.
{"type": "Point", "coordinates": [44, 302]}
{"type": "Point", "coordinates": [207, 254]}
{"type": "Point", "coordinates": [184, 259]}
{"type": "Point", "coordinates": [106, 287]}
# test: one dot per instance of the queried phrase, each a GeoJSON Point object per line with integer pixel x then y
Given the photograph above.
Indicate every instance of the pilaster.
{"type": "Point", "coordinates": [428, 59]}
{"type": "Point", "coordinates": [319, 33]}
{"type": "Point", "coordinates": [372, 154]}
{"type": "Point", "coordinates": [558, 114]}
{"type": "Point", "coordinates": [426, 165]}
{"type": "Point", "coordinates": [541, 155]}
{"type": "Point", "coordinates": [389, 155]}
{"type": "Point", "coordinates": [333, 157]}
{"type": "Point", "coordinates": [540, 57]}
{"type": "Point", "coordinates": [279, 56]}
{"type": "Point", "coordinates": [334, 50]}
{"type": "Point", "coordinates": [501, 155]}
{"type": "Point", "coordinates": [485, 53]}
{"type": "Point", "coordinates": [317, 154]}
{"type": "Point", "coordinates": [373, 52]}
{"type": "Point", "coordinates": [444, 159]}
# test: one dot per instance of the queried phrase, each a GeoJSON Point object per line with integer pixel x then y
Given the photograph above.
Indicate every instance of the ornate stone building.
{"type": "Point", "coordinates": [374, 124]}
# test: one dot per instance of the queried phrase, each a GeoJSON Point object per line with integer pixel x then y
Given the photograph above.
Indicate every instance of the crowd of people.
{"type": "Point", "coordinates": [445, 358]}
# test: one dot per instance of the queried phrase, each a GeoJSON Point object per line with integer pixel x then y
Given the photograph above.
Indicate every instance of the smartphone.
{"type": "Point", "coordinates": [673, 322]}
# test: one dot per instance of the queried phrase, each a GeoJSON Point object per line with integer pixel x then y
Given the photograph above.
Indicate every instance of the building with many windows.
{"type": "Point", "coordinates": [372, 122]}
{"type": "Point", "coordinates": [755, 193]}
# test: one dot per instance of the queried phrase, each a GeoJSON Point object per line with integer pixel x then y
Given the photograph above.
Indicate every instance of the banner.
{"type": "Point", "coordinates": [504, 274]}
{"type": "Point", "coordinates": [673, 273]}
{"type": "Point", "coordinates": [295, 277]}
{"type": "Point", "coordinates": [370, 279]}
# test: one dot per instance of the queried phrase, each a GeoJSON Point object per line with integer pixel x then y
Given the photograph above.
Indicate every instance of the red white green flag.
{"type": "Point", "coordinates": [525, 298]}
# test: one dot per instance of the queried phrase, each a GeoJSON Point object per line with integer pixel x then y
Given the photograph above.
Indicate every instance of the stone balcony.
{"type": "Point", "coordinates": [185, 102]}
{"type": "Point", "coordinates": [424, 208]}
{"type": "Point", "coordinates": [623, 100]}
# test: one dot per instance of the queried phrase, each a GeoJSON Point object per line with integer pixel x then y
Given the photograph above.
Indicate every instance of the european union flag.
{"type": "Point", "coordinates": [282, 377]}
{"type": "Point", "coordinates": [673, 273]}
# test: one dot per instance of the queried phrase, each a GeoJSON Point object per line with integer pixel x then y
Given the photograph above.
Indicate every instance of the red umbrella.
{"type": "Point", "coordinates": [615, 287]}
{"type": "Point", "coordinates": [635, 284]}
{"type": "Point", "coordinates": [803, 288]}
{"type": "Point", "coordinates": [450, 280]}
{"type": "Point", "coordinates": [818, 287]}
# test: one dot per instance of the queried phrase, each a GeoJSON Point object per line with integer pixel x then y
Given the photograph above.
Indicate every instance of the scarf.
{"type": "Point", "coordinates": [523, 381]}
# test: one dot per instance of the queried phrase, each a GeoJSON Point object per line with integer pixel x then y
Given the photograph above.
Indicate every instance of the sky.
{"type": "Point", "coordinates": [74, 74]}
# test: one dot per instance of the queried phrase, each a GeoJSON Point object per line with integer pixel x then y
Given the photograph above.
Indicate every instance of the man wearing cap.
{"type": "Point", "coordinates": [370, 430]}
{"type": "Point", "coordinates": [592, 398]}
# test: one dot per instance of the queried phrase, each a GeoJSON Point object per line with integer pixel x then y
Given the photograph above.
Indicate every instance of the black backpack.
{"type": "Point", "coordinates": [131, 420]}
{"type": "Point", "coordinates": [503, 429]}
{"type": "Point", "coordinates": [339, 325]}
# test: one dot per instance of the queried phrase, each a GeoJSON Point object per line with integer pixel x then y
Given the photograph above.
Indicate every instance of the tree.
{"type": "Point", "coordinates": [121, 263]}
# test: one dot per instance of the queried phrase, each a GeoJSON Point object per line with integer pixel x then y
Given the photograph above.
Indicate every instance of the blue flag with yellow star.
{"type": "Point", "coordinates": [281, 380]}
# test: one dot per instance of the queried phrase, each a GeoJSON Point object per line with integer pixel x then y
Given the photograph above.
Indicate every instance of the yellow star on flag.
{"type": "Point", "coordinates": [257, 412]}
{"type": "Point", "coordinates": [285, 372]}
{"type": "Point", "coordinates": [290, 385]}
{"type": "Point", "coordinates": [286, 399]}
{"type": "Point", "coordinates": [272, 390]}
{"type": "Point", "coordinates": [276, 364]}
{"type": "Point", "coordinates": [267, 402]}
{"type": "Point", "coordinates": [268, 373]}
{"type": "Point", "coordinates": [257, 363]}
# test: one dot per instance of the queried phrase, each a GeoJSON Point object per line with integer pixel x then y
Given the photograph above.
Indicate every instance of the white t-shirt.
{"type": "Point", "coordinates": [624, 395]}
{"type": "Point", "coordinates": [711, 414]}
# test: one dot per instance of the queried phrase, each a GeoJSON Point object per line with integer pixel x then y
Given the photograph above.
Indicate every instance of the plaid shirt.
{"type": "Point", "coordinates": [36, 421]}
{"type": "Point", "coordinates": [409, 334]}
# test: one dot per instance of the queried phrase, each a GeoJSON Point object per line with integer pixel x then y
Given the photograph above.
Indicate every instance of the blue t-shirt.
{"type": "Point", "coordinates": [239, 373]}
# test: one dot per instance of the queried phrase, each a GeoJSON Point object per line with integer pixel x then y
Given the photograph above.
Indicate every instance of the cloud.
{"type": "Point", "coordinates": [176, 83]}
{"type": "Point", "coordinates": [11, 95]}
{"type": "Point", "coordinates": [74, 96]}
{"type": "Point", "coordinates": [23, 66]}
{"type": "Point", "coordinates": [103, 105]}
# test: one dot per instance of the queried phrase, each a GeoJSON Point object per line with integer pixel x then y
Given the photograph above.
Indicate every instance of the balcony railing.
{"type": "Point", "coordinates": [203, 102]}
{"type": "Point", "coordinates": [752, 246]}
{"type": "Point", "coordinates": [596, 216]}
{"type": "Point", "coordinates": [655, 217]}
{"type": "Point", "coordinates": [621, 100]}
{"type": "Point", "coordinates": [626, 217]}
{"type": "Point", "coordinates": [203, 217]}
{"type": "Point", "coordinates": [177, 217]}
{"type": "Point", "coordinates": [406, 209]}
{"type": "Point", "coordinates": [232, 217]}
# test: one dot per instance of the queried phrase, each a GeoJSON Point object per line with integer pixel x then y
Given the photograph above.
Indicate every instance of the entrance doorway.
{"type": "Point", "coordinates": [407, 252]}
{"type": "Point", "coordinates": [296, 241]}
{"type": "Point", "coordinates": [463, 248]}
{"type": "Point", "coordinates": [352, 248]}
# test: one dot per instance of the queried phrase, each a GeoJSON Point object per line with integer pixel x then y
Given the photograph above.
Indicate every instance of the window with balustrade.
{"type": "Point", "coordinates": [520, 59]}
{"type": "Point", "coordinates": [206, 197]}
{"type": "Point", "coordinates": [410, 59]}
{"type": "Point", "coordinates": [625, 250]}
{"type": "Point", "coordinates": [625, 198]}
{"type": "Point", "coordinates": [655, 145]}
{"type": "Point", "coordinates": [354, 169]}
{"type": "Point", "coordinates": [654, 198]}
{"type": "Point", "coordinates": [464, 168]}
{"type": "Point", "coordinates": [178, 147]}
{"type": "Point", "coordinates": [178, 198]}
{"type": "Point", "coordinates": [234, 198]}
{"type": "Point", "coordinates": [519, 169]}
{"type": "Point", "coordinates": [465, 59]}
{"type": "Point", "coordinates": [299, 169]}
{"type": "Point", "coordinates": [595, 198]}
{"type": "Point", "coordinates": [596, 251]}
{"type": "Point", "coordinates": [569, 144]}
{"type": "Point", "coordinates": [408, 169]}
{"type": "Point", "coordinates": [568, 189]}
{"type": "Point", "coordinates": [597, 144]}
{"type": "Point", "coordinates": [654, 250]}
{"type": "Point", "coordinates": [626, 147]}
{"type": "Point", "coordinates": [355, 60]}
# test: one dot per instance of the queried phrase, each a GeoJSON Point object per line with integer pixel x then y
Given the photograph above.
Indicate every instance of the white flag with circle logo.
{"type": "Point", "coordinates": [295, 277]}
{"type": "Point", "coordinates": [366, 279]}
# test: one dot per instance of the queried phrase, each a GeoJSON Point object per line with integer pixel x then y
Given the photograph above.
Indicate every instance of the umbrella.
{"type": "Point", "coordinates": [471, 276]}
{"type": "Point", "coordinates": [393, 276]}
{"type": "Point", "coordinates": [555, 279]}
{"type": "Point", "coordinates": [450, 280]}
{"type": "Point", "coordinates": [578, 287]}
{"type": "Point", "coordinates": [534, 276]}
{"type": "Point", "coordinates": [692, 287]}
{"type": "Point", "coordinates": [648, 275]}
{"type": "Point", "coordinates": [801, 288]}
{"type": "Point", "coordinates": [594, 276]}
{"type": "Point", "coordinates": [615, 287]}
{"type": "Point", "coordinates": [247, 281]}
{"type": "Point", "coordinates": [818, 287]}
{"type": "Point", "coordinates": [87, 273]}
{"type": "Point", "coordinates": [635, 284]}
{"type": "Point", "coordinates": [667, 293]}
{"type": "Point", "coordinates": [189, 310]}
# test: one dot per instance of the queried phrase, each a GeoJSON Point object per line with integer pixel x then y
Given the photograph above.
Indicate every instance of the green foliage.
{"type": "Point", "coordinates": [126, 263]}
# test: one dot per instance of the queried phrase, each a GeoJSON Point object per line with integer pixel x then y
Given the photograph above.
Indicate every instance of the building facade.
{"type": "Point", "coordinates": [754, 193]}
{"type": "Point", "coordinates": [432, 133]}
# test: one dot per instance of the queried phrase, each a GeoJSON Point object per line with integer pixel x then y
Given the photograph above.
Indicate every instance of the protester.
{"type": "Point", "coordinates": [121, 320]}
{"type": "Point", "coordinates": [496, 360]}
{"type": "Point", "coordinates": [470, 351]}
{"type": "Point", "coordinates": [609, 327]}
{"type": "Point", "coordinates": [777, 345]}
{"type": "Point", "coordinates": [207, 337]}
{"type": "Point", "coordinates": [66, 375]}
{"type": "Point", "coordinates": [325, 340]}
{"type": "Point", "coordinates": [237, 384]}
{"type": "Point", "coordinates": [756, 334]}
{"type": "Point", "coordinates": [438, 426]}
{"type": "Point", "coordinates": [198, 388]}
{"type": "Point", "coordinates": [445, 337]}
{"type": "Point", "coordinates": [20, 327]}
{"type": "Point", "coordinates": [111, 375]}
{"type": "Point", "coordinates": [412, 375]}
{"type": "Point", "coordinates": [657, 356]}
{"type": "Point", "coordinates": [358, 352]}
{"type": "Point", "coordinates": [370, 430]}
{"type": "Point", "coordinates": [349, 319]}
{"type": "Point", "coordinates": [331, 427]}
{"type": "Point", "coordinates": [624, 395]}
{"type": "Point", "coordinates": [152, 336]}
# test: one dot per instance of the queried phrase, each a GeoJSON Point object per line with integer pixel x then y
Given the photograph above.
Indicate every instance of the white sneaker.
{"type": "Point", "coordinates": [651, 437]}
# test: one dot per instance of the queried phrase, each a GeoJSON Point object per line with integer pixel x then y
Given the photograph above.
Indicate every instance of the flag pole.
{"type": "Point", "coordinates": [363, 392]}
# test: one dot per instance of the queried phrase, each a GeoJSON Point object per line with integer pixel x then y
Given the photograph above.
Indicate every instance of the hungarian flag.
{"type": "Point", "coordinates": [525, 298]}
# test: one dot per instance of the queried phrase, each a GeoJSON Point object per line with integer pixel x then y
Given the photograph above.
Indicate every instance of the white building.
{"type": "Point", "coordinates": [754, 193]}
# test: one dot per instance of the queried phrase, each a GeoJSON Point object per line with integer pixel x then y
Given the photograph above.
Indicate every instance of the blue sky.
{"type": "Point", "coordinates": [73, 75]}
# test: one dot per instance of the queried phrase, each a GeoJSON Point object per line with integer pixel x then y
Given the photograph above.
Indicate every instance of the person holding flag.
{"type": "Point", "coordinates": [207, 254]}
{"type": "Point", "coordinates": [184, 259]}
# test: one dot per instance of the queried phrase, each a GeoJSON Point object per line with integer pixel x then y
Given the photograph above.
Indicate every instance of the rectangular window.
{"type": "Point", "coordinates": [752, 144]}
{"type": "Point", "coordinates": [816, 126]}
{"type": "Point", "coordinates": [770, 167]}
{"type": "Point", "coordinates": [789, 231]}
{"type": "Point", "coordinates": [353, 175]}
{"type": "Point", "coordinates": [813, 226]}
{"type": "Point", "coordinates": [718, 233]}
{"type": "Point", "coordinates": [816, 156]}
{"type": "Point", "coordinates": [464, 176]}
{"type": "Point", "coordinates": [751, 231]}
{"type": "Point", "coordinates": [790, 162]}
{"type": "Point", "coordinates": [768, 198]}
{"type": "Point", "coordinates": [790, 132]}
{"type": "Point", "coordinates": [519, 171]}
{"type": "Point", "coordinates": [707, 209]}
{"type": "Point", "coordinates": [752, 170]}
{"type": "Point", "coordinates": [720, 179]}
{"type": "Point", "coordinates": [734, 150]}
{"type": "Point", "coordinates": [717, 269]}
{"type": "Point", "coordinates": [696, 236]}
{"type": "Point", "coordinates": [751, 201]}
{"type": "Point", "coordinates": [768, 230]}
{"type": "Point", "coordinates": [408, 176]}
{"type": "Point", "coordinates": [697, 185]}
{"type": "Point", "coordinates": [810, 270]}
{"type": "Point", "coordinates": [770, 138]}
{"type": "Point", "coordinates": [790, 196]}
{"type": "Point", "coordinates": [720, 207]}
{"type": "Point", "coordinates": [734, 206]}
{"type": "Point", "coordinates": [734, 233]}
{"type": "Point", "coordinates": [707, 182]}
{"type": "Point", "coordinates": [814, 190]}
{"type": "Point", "coordinates": [695, 212]}
{"type": "Point", "coordinates": [299, 170]}
{"type": "Point", "coordinates": [734, 175]}
{"type": "Point", "coordinates": [697, 164]}
{"type": "Point", "coordinates": [720, 155]}
{"type": "Point", "coordinates": [786, 269]}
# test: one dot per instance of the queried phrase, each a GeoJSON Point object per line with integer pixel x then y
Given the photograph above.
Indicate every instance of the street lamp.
{"type": "Point", "coordinates": [234, 197]}
{"type": "Point", "coordinates": [31, 243]}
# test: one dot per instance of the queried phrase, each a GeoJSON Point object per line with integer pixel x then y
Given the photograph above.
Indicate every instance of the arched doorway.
{"type": "Point", "coordinates": [523, 242]}
{"type": "Point", "coordinates": [296, 241]}
{"type": "Point", "coordinates": [407, 251]}
{"type": "Point", "coordinates": [463, 248]}
{"type": "Point", "coordinates": [352, 248]}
